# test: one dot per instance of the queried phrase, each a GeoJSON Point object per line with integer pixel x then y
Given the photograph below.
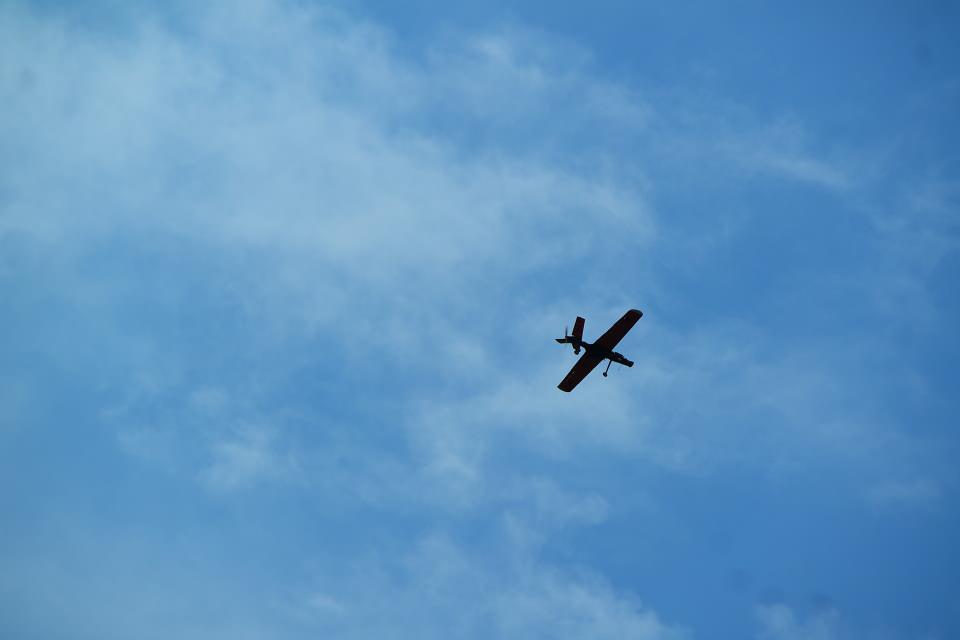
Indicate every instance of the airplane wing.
{"type": "Point", "coordinates": [584, 365]}
{"type": "Point", "coordinates": [619, 329]}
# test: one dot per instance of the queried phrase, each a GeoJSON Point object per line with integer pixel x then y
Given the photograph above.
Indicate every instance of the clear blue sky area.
{"type": "Point", "coordinates": [279, 282]}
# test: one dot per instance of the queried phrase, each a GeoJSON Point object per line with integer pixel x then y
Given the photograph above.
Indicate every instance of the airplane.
{"type": "Point", "coordinates": [598, 351]}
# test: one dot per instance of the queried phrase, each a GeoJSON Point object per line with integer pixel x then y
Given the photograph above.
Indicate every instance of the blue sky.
{"type": "Point", "coordinates": [281, 279]}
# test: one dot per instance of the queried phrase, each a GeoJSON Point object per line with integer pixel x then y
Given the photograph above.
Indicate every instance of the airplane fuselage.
{"type": "Point", "coordinates": [598, 351]}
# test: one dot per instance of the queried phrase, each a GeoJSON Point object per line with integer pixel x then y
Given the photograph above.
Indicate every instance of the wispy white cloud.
{"type": "Point", "coordinates": [919, 492]}
{"type": "Point", "coordinates": [246, 457]}
{"type": "Point", "coordinates": [727, 141]}
{"type": "Point", "coordinates": [780, 622]}
{"type": "Point", "coordinates": [319, 178]}
{"type": "Point", "coordinates": [779, 149]}
{"type": "Point", "coordinates": [323, 603]}
{"type": "Point", "coordinates": [485, 595]}
{"type": "Point", "coordinates": [207, 435]}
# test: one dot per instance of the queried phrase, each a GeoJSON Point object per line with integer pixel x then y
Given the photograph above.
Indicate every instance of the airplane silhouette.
{"type": "Point", "coordinates": [598, 351]}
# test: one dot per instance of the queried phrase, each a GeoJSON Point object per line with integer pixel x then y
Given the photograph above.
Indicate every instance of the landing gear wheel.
{"type": "Point", "coordinates": [610, 362]}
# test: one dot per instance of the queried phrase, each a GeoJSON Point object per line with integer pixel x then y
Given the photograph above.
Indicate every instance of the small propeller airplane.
{"type": "Point", "coordinates": [598, 351]}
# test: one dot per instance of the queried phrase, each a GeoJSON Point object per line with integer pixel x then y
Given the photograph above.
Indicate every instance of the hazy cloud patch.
{"type": "Point", "coordinates": [780, 622]}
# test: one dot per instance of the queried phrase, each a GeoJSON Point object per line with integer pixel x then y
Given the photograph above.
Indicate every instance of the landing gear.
{"type": "Point", "coordinates": [609, 362]}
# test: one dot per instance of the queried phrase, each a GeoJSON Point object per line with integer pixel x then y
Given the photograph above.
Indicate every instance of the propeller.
{"type": "Point", "coordinates": [568, 339]}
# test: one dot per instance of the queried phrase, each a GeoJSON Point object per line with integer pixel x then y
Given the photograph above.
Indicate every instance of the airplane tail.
{"type": "Point", "coordinates": [575, 338]}
{"type": "Point", "coordinates": [578, 328]}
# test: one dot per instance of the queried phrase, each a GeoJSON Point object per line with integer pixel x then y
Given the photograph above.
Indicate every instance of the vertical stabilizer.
{"type": "Point", "coordinates": [578, 328]}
